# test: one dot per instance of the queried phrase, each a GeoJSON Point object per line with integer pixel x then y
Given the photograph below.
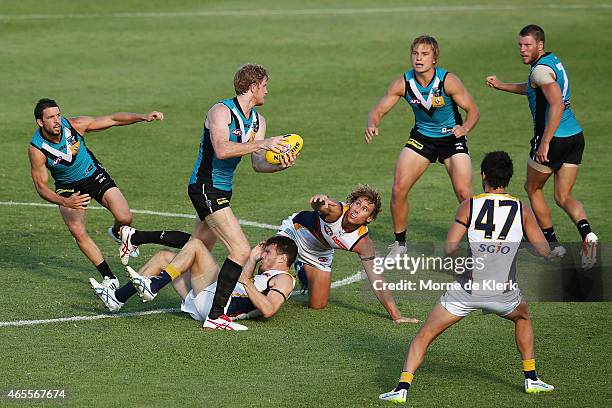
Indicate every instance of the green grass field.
{"type": "Point", "coordinates": [329, 63]}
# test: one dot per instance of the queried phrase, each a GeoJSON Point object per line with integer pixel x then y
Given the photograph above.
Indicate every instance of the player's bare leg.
{"type": "Point", "coordinates": [75, 221]}
{"type": "Point", "coordinates": [319, 285]}
{"type": "Point", "coordinates": [437, 322]}
{"type": "Point", "coordinates": [565, 178]}
{"type": "Point", "coordinates": [409, 168]}
{"type": "Point", "coordinates": [523, 333]}
{"type": "Point", "coordinates": [203, 232]}
{"type": "Point", "coordinates": [459, 169]}
{"type": "Point", "coordinates": [116, 203]}
{"type": "Point", "coordinates": [534, 185]}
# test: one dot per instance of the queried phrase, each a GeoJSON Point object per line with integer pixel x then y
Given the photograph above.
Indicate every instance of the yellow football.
{"type": "Point", "coordinates": [294, 145]}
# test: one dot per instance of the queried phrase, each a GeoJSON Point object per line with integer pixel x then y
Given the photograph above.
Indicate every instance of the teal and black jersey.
{"type": "Point", "coordinates": [538, 104]}
{"type": "Point", "coordinates": [209, 169]}
{"type": "Point", "coordinates": [435, 112]}
{"type": "Point", "coordinates": [69, 161]}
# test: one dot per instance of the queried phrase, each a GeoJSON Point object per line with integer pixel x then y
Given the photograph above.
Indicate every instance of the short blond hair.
{"type": "Point", "coordinates": [370, 194]}
{"type": "Point", "coordinates": [248, 75]}
{"type": "Point", "coordinates": [427, 40]}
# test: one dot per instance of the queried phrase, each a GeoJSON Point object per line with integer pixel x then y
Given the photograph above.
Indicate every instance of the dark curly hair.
{"type": "Point", "coordinates": [497, 169]}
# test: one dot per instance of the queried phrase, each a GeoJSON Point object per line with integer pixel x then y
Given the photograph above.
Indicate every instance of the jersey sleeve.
{"type": "Point", "coordinates": [542, 75]}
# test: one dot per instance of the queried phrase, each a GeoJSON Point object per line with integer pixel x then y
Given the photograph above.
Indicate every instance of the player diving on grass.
{"type": "Point", "coordinates": [496, 219]}
{"type": "Point", "coordinates": [193, 272]}
{"type": "Point", "coordinates": [59, 147]}
{"type": "Point", "coordinates": [336, 225]}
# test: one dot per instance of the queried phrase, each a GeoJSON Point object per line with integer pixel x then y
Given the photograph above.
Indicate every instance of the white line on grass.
{"type": "Point", "coordinates": [346, 281]}
{"type": "Point", "coordinates": [302, 12]}
{"type": "Point", "coordinates": [148, 212]}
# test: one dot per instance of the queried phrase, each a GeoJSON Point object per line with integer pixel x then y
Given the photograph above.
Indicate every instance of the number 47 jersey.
{"type": "Point", "coordinates": [495, 232]}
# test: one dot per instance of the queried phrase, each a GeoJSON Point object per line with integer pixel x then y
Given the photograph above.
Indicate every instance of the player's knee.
{"type": "Point", "coordinates": [194, 244]}
{"type": "Point", "coordinates": [240, 252]}
{"type": "Point", "coordinates": [78, 231]}
{"type": "Point", "coordinates": [124, 218]}
{"type": "Point", "coordinates": [561, 199]}
{"type": "Point", "coordinates": [317, 304]}
{"type": "Point", "coordinates": [398, 192]}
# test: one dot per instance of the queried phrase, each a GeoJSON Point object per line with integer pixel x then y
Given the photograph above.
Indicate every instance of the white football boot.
{"type": "Point", "coordinates": [589, 251]}
{"type": "Point", "coordinates": [126, 248]}
{"type": "Point", "coordinates": [537, 386]}
{"type": "Point", "coordinates": [142, 284]}
{"type": "Point", "coordinates": [106, 295]}
{"type": "Point", "coordinates": [223, 323]}
{"type": "Point", "coordinates": [397, 397]}
{"type": "Point", "coordinates": [396, 250]}
{"type": "Point", "coordinates": [133, 254]}
{"type": "Point", "coordinates": [111, 283]}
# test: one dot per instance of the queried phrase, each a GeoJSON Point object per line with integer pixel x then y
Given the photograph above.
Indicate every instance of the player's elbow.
{"type": "Point", "coordinates": [268, 313]}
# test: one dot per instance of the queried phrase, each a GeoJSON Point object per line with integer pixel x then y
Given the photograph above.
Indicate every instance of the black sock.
{"type": "Point", "coordinates": [401, 237]}
{"type": "Point", "coordinates": [115, 231]}
{"type": "Point", "coordinates": [125, 292]}
{"type": "Point", "coordinates": [402, 386]}
{"type": "Point", "coordinates": [174, 239]}
{"type": "Point", "coordinates": [105, 270]}
{"type": "Point", "coordinates": [159, 281]}
{"type": "Point", "coordinates": [549, 234]}
{"type": "Point", "coordinates": [228, 276]}
{"type": "Point", "coordinates": [584, 228]}
{"type": "Point", "coordinates": [531, 375]}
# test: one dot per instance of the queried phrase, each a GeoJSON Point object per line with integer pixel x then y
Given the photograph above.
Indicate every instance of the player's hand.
{"type": "Point", "coordinates": [459, 131]}
{"type": "Point", "coordinates": [320, 202]}
{"type": "Point", "coordinates": [542, 153]}
{"type": "Point", "coordinates": [369, 133]}
{"type": "Point", "coordinates": [402, 320]}
{"type": "Point", "coordinates": [257, 251]}
{"type": "Point", "coordinates": [287, 160]}
{"type": "Point", "coordinates": [275, 144]}
{"type": "Point", "coordinates": [150, 117]}
{"type": "Point", "coordinates": [493, 82]}
{"type": "Point", "coordinates": [77, 201]}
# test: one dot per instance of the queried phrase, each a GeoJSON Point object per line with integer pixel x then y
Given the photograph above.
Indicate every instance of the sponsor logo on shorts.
{"type": "Point", "coordinates": [328, 230]}
{"type": "Point", "coordinates": [221, 201]}
{"type": "Point", "coordinates": [459, 146]}
{"type": "Point", "coordinates": [415, 143]}
{"type": "Point", "coordinates": [64, 190]}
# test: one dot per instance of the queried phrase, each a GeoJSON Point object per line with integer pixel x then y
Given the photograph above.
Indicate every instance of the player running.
{"type": "Point", "coordinates": [439, 133]}
{"type": "Point", "coordinates": [492, 219]}
{"type": "Point", "coordinates": [336, 225]}
{"type": "Point", "coordinates": [194, 273]}
{"type": "Point", "coordinates": [59, 146]}
{"type": "Point", "coordinates": [557, 144]}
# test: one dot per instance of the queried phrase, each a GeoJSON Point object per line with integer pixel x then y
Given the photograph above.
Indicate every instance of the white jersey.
{"type": "Point", "coordinates": [239, 302]}
{"type": "Point", "coordinates": [495, 232]}
{"type": "Point", "coordinates": [317, 239]}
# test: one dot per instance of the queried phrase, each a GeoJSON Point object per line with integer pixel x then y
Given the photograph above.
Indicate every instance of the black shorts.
{"type": "Point", "coordinates": [437, 148]}
{"type": "Point", "coordinates": [95, 185]}
{"type": "Point", "coordinates": [206, 200]}
{"type": "Point", "coordinates": [560, 150]}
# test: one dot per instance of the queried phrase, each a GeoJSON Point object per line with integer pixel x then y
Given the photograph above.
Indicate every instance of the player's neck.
{"type": "Point", "coordinates": [499, 190]}
{"type": "Point", "coordinates": [246, 104]}
{"type": "Point", "coordinates": [50, 137]}
{"type": "Point", "coordinates": [424, 78]}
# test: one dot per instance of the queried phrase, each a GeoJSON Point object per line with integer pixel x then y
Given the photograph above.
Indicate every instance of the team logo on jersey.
{"type": "Point", "coordinates": [328, 230]}
{"type": "Point", "coordinates": [437, 100]}
{"type": "Point", "coordinates": [322, 259]}
{"type": "Point", "coordinates": [414, 102]}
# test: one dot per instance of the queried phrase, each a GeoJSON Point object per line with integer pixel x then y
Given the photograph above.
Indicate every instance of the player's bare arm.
{"type": "Point", "coordinates": [517, 88]}
{"type": "Point", "coordinates": [553, 96]}
{"type": "Point", "coordinates": [457, 91]}
{"type": "Point", "coordinates": [280, 288]}
{"type": "Point", "coordinates": [395, 91]}
{"type": "Point", "coordinates": [217, 122]}
{"type": "Point", "coordinates": [458, 229]}
{"type": "Point", "coordinates": [258, 158]}
{"type": "Point", "coordinates": [84, 124]}
{"type": "Point", "coordinates": [40, 177]}
{"type": "Point", "coordinates": [366, 252]}
{"type": "Point", "coordinates": [329, 208]}
{"type": "Point", "coordinates": [534, 233]}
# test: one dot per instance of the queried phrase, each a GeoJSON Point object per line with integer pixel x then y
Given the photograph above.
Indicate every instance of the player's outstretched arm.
{"type": "Point", "coordinates": [40, 177]}
{"type": "Point", "coordinates": [457, 91]}
{"type": "Point", "coordinates": [517, 88]}
{"type": "Point", "coordinates": [258, 158]}
{"type": "Point", "coordinates": [84, 124]}
{"type": "Point", "coordinates": [395, 91]}
{"type": "Point", "coordinates": [365, 250]}
{"type": "Point", "coordinates": [534, 233]}
{"type": "Point", "coordinates": [327, 207]}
